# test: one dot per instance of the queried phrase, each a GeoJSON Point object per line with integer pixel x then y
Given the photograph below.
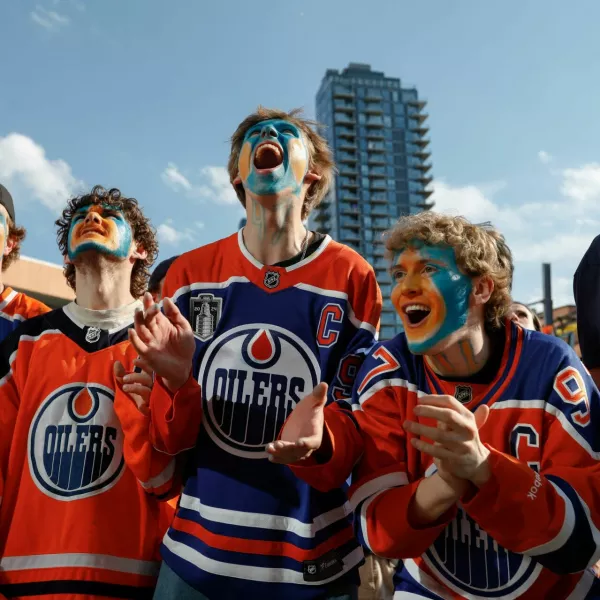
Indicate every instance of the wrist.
{"type": "Point", "coordinates": [174, 384]}
{"type": "Point", "coordinates": [483, 472]}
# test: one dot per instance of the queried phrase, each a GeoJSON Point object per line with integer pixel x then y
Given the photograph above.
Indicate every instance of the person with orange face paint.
{"type": "Point", "coordinates": [75, 521]}
{"type": "Point", "coordinates": [250, 325]}
{"type": "Point", "coordinates": [474, 443]}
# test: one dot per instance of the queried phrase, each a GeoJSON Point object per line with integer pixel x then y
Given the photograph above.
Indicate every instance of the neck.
{"type": "Point", "coordinates": [463, 358]}
{"type": "Point", "coordinates": [103, 285]}
{"type": "Point", "coordinates": [276, 233]}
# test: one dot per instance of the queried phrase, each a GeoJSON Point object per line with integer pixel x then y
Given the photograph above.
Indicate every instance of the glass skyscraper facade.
{"type": "Point", "coordinates": [377, 131]}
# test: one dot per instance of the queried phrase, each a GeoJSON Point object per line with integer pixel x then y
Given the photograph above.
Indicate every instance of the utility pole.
{"type": "Point", "coordinates": [547, 283]}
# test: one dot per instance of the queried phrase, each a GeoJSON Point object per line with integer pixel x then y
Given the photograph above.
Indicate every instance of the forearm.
{"type": "Point", "coordinates": [175, 417]}
{"type": "Point", "coordinates": [330, 466]}
{"type": "Point", "coordinates": [403, 522]}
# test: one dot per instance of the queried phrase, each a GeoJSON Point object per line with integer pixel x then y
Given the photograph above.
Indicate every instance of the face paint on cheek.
{"type": "Point", "coordinates": [278, 158]}
{"type": "Point", "coordinates": [115, 242]}
{"type": "Point", "coordinates": [448, 291]}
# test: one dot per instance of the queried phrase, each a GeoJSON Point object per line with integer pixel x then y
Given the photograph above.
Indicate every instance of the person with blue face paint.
{"type": "Point", "coordinates": [68, 379]}
{"type": "Point", "coordinates": [465, 432]}
{"type": "Point", "coordinates": [249, 325]}
{"type": "Point", "coordinates": [15, 307]}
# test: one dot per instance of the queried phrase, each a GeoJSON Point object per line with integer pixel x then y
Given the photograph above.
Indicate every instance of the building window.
{"type": "Point", "coordinates": [395, 96]}
{"type": "Point", "coordinates": [362, 118]}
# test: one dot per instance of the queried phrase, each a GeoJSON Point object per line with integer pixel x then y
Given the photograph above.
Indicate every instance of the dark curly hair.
{"type": "Point", "coordinates": [18, 235]}
{"type": "Point", "coordinates": [143, 233]}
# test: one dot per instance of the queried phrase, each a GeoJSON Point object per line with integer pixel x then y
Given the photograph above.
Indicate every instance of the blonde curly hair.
{"type": "Point", "coordinates": [480, 251]}
{"type": "Point", "coordinates": [320, 157]}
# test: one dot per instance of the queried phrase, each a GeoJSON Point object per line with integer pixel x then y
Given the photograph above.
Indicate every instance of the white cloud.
{"type": "Point", "coordinates": [49, 19]}
{"type": "Point", "coordinates": [544, 157]}
{"type": "Point", "coordinates": [214, 184]}
{"type": "Point", "coordinates": [582, 185]}
{"type": "Point", "coordinates": [167, 234]}
{"type": "Point", "coordinates": [49, 181]}
{"type": "Point", "coordinates": [558, 231]}
{"type": "Point", "coordinates": [218, 187]}
{"type": "Point", "coordinates": [173, 177]}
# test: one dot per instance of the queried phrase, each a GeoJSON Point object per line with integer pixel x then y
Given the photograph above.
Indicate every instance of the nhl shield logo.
{"type": "Point", "coordinates": [271, 279]}
{"type": "Point", "coordinates": [463, 393]}
{"type": "Point", "coordinates": [205, 312]}
{"type": "Point", "coordinates": [92, 335]}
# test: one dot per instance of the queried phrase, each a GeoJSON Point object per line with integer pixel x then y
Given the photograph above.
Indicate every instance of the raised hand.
{"type": "Point", "coordinates": [457, 447]}
{"type": "Point", "coordinates": [164, 341]}
{"type": "Point", "coordinates": [137, 385]}
{"type": "Point", "coordinates": [302, 433]}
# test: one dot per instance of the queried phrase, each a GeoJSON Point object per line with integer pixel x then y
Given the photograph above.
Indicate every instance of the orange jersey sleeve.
{"type": "Point", "coordinates": [155, 471]}
{"type": "Point", "coordinates": [549, 509]}
{"type": "Point", "coordinates": [387, 476]}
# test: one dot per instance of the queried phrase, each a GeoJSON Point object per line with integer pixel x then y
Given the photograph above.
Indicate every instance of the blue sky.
{"type": "Point", "coordinates": [144, 94]}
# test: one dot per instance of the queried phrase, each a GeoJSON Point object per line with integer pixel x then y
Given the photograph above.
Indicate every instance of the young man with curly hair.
{"type": "Point", "coordinates": [475, 442]}
{"type": "Point", "coordinates": [15, 307]}
{"type": "Point", "coordinates": [74, 520]}
{"type": "Point", "coordinates": [251, 324]}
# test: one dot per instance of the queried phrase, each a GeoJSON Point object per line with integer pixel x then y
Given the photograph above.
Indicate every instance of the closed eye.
{"type": "Point", "coordinates": [288, 131]}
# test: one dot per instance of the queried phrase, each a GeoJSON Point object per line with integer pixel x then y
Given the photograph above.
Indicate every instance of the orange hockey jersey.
{"type": "Point", "coordinates": [532, 531]}
{"type": "Point", "coordinates": [16, 307]}
{"type": "Point", "coordinates": [74, 520]}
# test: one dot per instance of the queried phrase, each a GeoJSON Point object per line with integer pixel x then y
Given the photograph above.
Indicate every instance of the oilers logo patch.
{"type": "Point", "coordinates": [75, 444]}
{"type": "Point", "coordinates": [205, 312]}
{"type": "Point", "coordinates": [474, 565]}
{"type": "Point", "coordinates": [252, 376]}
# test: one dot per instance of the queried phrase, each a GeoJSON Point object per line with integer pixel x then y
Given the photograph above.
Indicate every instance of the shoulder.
{"type": "Point", "coordinates": [348, 258]}
{"type": "Point", "coordinates": [199, 256]}
{"type": "Point", "coordinates": [550, 349]}
{"type": "Point", "coordinates": [27, 307]}
{"type": "Point", "coordinates": [388, 363]}
{"type": "Point", "coordinates": [29, 331]}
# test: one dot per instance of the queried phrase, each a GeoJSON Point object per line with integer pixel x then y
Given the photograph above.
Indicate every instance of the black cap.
{"type": "Point", "coordinates": [159, 272]}
{"type": "Point", "coordinates": [7, 201]}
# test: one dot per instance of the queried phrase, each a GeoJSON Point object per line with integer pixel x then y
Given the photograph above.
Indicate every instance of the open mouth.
{"type": "Point", "coordinates": [268, 156]}
{"type": "Point", "coordinates": [93, 230]}
{"type": "Point", "coordinates": [416, 313]}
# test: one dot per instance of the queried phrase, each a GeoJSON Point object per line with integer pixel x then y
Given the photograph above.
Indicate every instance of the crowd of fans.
{"type": "Point", "coordinates": [230, 427]}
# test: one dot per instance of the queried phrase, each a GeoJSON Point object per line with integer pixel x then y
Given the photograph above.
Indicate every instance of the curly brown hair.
{"type": "Point", "coordinates": [320, 157]}
{"type": "Point", "coordinates": [480, 251]}
{"type": "Point", "coordinates": [143, 233]}
{"type": "Point", "coordinates": [18, 235]}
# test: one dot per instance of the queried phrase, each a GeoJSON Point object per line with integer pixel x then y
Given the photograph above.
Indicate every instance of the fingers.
{"type": "Point", "coordinates": [137, 343]}
{"type": "Point", "coordinates": [174, 314]}
{"type": "Point", "coordinates": [142, 378]}
{"type": "Point", "coordinates": [437, 434]}
{"type": "Point", "coordinates": [443, 402]}
{"type": "Point", "coordinates": [449, 417]}
{"type": "Point", "coordinates": [288, 452]}
{"type": "Point", "coordinates": [481, 415]}
{"type": "Point", "coordinates": [142, 364]}
{"type": "Point", "coordinates": [147, 301]}
{"type": "Point", "coordinates": [141, 329]}
{"type": "Point", "coordinates": [435, 451]}
{"type": "Point", "coordinates": [320, 393]}
{"type": "Point", "coordinates": [137, 389]}
{"type": "Point", "coordinates": [119, 371]}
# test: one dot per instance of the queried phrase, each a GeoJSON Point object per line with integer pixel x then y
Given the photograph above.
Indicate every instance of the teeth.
{"type": "Point", "coordinates": [413, 307]}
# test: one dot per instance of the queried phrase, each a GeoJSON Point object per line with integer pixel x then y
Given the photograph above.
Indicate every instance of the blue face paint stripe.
{"type": "Point", "coordinates": [281, 178]}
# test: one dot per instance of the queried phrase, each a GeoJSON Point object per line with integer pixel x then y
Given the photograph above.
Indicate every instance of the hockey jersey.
{"type": "Point", "coordinates": [74, 521]}
{"type": "Point", "coordinates": [531, 531]}
{"type": "Point", "coordinates": [16, 307]}
{"type": "Point", "coordinates": [266, 336]}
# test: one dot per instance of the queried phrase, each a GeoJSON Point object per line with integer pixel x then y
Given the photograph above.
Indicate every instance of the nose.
{"type": "Point", "coordinates": [93, 217]}
{"type": "Point", "coordinates": [268, 131]}
{"type": "Point", "coordinates": [514, 318]}
{"type": "Point", "coordinates": [411, 285]}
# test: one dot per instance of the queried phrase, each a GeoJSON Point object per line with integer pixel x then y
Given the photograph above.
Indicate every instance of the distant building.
{"type": "Point", "coordinates": [377, 131]}
{"type": "Point", "coordinates": [39, 279]}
